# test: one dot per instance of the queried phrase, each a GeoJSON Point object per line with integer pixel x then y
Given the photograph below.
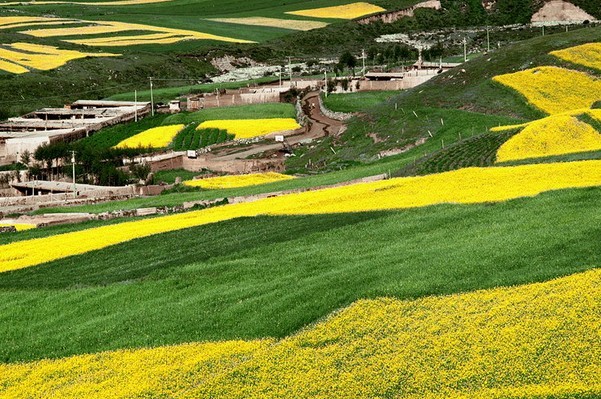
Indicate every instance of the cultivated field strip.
{"type": "Point", "coordinates": [535, 340]}
{"type": "Point", "coordinates": [464, 186]}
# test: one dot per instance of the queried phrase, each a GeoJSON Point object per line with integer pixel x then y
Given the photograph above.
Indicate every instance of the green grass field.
{"type": "Point", "coordinates": [269, 276]}
{"type": "Point", "coordinates": [355, 102]}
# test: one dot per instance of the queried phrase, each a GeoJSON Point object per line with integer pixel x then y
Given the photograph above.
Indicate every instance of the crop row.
{"type": "Point", "coordinates": [467, 186]}
{"type": "Point", "coordinates": [192, 138]}
{"type": "Point", "coordinates": [537, 340]}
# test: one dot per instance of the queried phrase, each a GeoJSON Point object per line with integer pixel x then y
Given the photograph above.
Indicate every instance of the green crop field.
{"type": "Point", "coordinates": [355, 102]}
{"type": "Point", "coordinates": [237, 287]}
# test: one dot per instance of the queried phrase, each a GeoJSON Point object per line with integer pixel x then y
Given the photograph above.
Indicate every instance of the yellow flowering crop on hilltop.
{"type": "Point", "coordinates": [508, 127]}
{"type": "Point", "coordinates": [40, 57]}
{"type": "Point", "coordinates": [463, 186]}
{"type": "Point", "coordinates": [247, 128]}
{"type": "Point", "coordinates": [554, 135]}
{"type": "Point", "coordinates": [588, 55]}
{"type": "Point", "coordinates": [108, 27]}
{"type": "Point", "coordinates": [554, 90]}
{"type": "Point", "coordinates": [232, 181]}
{"type": "Point", "coordinates": [536, 340]}
{"type": "Point", "coordinates": [293, 24]}
{"type": "Point", "coordinates": [347, 11]}
{"type": "Point", "coordinates": [156, 137]}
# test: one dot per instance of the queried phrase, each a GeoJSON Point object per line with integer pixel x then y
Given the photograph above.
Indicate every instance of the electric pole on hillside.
{"type": "Point", "coordinates": [136, 105]}
{"type": "Point", "coordinates": [151, 99]}
{"type": "Point", "coordinates": [363, 58]}
{"type": "Point", "coordinates": [290, 69]}
{"type": "Point", "coordinates": [73, 163]}
{"type": "Point", "coordinates": [487, 40]}
{"type": "Point", "coordinates": [464, 49]}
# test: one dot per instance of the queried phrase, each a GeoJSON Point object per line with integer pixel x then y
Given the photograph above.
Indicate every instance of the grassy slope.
{"type": "Point", "coordinates": [256, 111]}
{"type": "Point", "coordinates": [355, 102]}
{"type": "Point", "coordinates": [267, 276]}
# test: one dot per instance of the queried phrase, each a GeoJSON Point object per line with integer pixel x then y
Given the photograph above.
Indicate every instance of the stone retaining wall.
{"type": "Point", "coordinates": [339, 116]}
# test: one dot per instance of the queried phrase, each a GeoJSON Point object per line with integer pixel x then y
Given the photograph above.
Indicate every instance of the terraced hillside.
{"type": "Point", "coordinates": [473, 276]}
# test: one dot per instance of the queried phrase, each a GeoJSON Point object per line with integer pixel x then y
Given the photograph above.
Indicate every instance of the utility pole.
{"type": "Point", "coordinates": [73, 162]}
{"type": "Point", "coordinates": [543, 30]}
{"type": "Point", "coordinates": [363, 58]}
{"type": "Point", "coordinates": [151, 99]}
{"type": "Point", "coordinates": [487, 40]}
{"type": "Point", "coordinates": [136, 106]}
{"type": "Point", "coordinates": [280, 76]}
{"type": "Point", "coordinates": [325, 82]}
{"type": "Point", "coordinates": [290, 69]}
{"type": "Point", "coordinates": [464, 49]}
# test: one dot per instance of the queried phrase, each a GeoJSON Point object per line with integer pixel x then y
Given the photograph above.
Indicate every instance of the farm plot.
{"type": "Point", "coordinates": [535, 340]}
{"type": "Point", "coordinates": [156, 137]}
{"type": "Point", "coordinates": [464, 186]}
{"type": "Point", "coordinates": [248, 128]}
{"type": "Point", "coordinates": [191, 138]}
{"type": "Point", "coordinates": [555, 135]}
{"type": "Point", "coordinates": [253, 179]}
{"type": "Point", "coordinates": [292, 24]}
{"type": "Point", "coordinates": [554, 90]}
{"type": "Point", "coordinates": [346, 11]}
{"type": "Point", "coordinates": [22, 57]}
{"type": "Point", "coordinates": [588, 55]}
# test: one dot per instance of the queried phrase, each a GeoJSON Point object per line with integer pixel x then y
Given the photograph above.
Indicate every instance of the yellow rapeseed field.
{"type": "Point", "coordinates": [232, 181]}
{"type": "Point", "coordinates": [554, 135]}
{"type": "Point", "coordinates": [554, 90]}
{"type": "Point", "coordinates": [587, 54]}
{"type": "Point", "coordinates": [19, 226]}
{"type": "Point", "coordinates": [11, 67]}
{"type": "Point", "coordinates": [247, 128]}
{"type": "Point", "coordinates": [509, 127]}
{"type": "Point", "coordinates": [536, 340]}
{"type": "Point", "coordinates": [156, 137]}
{"type": "Point", "coordinates": [464, 186]}
{"type": "Point", "coordinates": [41, 57]}
{"type": "Point", "coordinates": [109, 27]}
{"type": "Point", "coordinates": [293, 24]}
{"type": "Point", "coordinates": [347, 11]}
{"type": "Point", "coordinates": [120, 41]}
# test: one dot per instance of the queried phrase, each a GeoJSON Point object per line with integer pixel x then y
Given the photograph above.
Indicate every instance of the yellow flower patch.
{"type": "Point", "coordinates": [21, 56]}
{"type": "Point", "coordinates": [120, 41]}
{"type": "Point", "coordinates": [248, 128]}
{"type": "Point", "coordinates": [19, 226]}
{"type": "Point", "coordinates": [536, 340]}
{"type": "Point", "coordinates": [347, 11]}
{"type": "Point", "coordinates": [554, 135]}
{"type": "Point", "coordinates": [554, 90]}
{"type": "Point", "coordinates": [156, 137]}
{"type": "Point", "coordinates": [464, 186]}
{"type": "Point", "coordinates": [109, 27]}
{"type": "Point", "coordinates": [506, 128]}
{"type": "Point", "coordinates": [233, 181]}
{"type": "Point", "coordinates": [293, 24]}
{"type": "Point", "coordinates": [588, 55]}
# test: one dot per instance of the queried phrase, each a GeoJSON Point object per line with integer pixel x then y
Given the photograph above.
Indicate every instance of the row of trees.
{"type": "Point", "coordinates": [102, 166]}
